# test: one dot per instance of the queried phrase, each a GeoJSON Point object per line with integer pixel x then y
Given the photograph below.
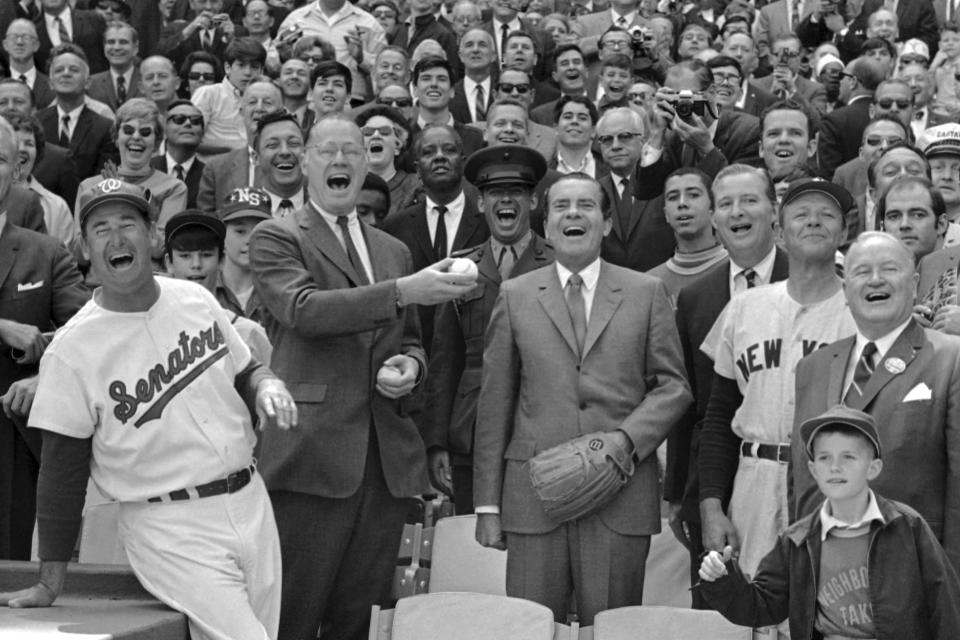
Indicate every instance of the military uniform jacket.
{"type": "Point", "coordinates": [457, 356]}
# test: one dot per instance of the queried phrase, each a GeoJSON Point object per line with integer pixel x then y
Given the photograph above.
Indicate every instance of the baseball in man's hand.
{"type": "Point", "coordinates": [389, 374]}
{"type": "Point", "coordinates": [464, 266]}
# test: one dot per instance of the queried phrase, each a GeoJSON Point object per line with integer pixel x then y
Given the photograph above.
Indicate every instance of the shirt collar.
{"type": "Point", "coordinates": [513, 25]}
{"type": "Point", "coordinates": [228, 86]}
{"type": "Point", "coordinates": [63, 15]}
{"type": "Point", "coordinates": [74, 114]}
{"type": "Point", "coordinates": [331, 218]}
{"type": "Point", "coordinates": [518, 247]}
{"type": "Point", "coordinates": [186, 164]}
{"type": "Point", "coordinates": [587, 165]}
{"type": "Point", "coordinates": [423, 123]}
{"type": "Point", "coordinates": [454, 207]}
{"type": "Point", "coordinates": [883, 343]}
{"type": "Point", "coordinates": [127, 76]}
{"type": "Point", "coordinates": [345, 10]}
{"type": "Point", "coordinates": [763, 269]}
{"type": "Point", "coordinates": [828, 522]}
{"type": "Point", "coordinates": [470, 86]}
{"type": "Point", "coordinates": [628, 16]}
{"type": "Point", "coordinates": [590, 274]}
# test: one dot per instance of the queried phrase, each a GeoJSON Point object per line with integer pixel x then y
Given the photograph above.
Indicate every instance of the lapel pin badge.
{"type": "Point", "coordinates": [894, 365]}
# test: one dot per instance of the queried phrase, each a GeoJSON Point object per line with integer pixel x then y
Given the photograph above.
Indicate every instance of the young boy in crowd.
{"type": "Point", "coordinates": [240, 212]}
{"type": "Point", "coordinates": [861, 567]}
{"type": "Point", "coordinates": [193, 251]}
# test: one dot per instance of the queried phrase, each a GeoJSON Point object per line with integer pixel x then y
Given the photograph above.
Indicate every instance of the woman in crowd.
{"type": "Point", "coordinates": [199, 69]}
{"type": "Point", "coordinates": [385, 136]}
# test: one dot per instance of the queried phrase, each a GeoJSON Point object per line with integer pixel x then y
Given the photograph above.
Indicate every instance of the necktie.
{"type": "Point", "coordinates": [285, 208]}
{"type": "Point", "coordinates": [625, 190]}
{"type": "Point", "coordinates": [23, 79]}
{"type": "Point", "coordinates": [504, 30]}
{"type": "Point", "coordinates": [479, 106]}
{"type": "Point", "coordinates": [751, 277]}
{"type": "Point", "coordinates": [861, 375]}
{"type": "Point", "coordinates": [65, 131]}
{"type": "Point", "coordinates": [206, 39]}
{"type": "Point", "coordinates": [178, 172]}
{"type": "Point", "coordinates": [794, 14]}
{"type": "Point", "coordinates": [577, 308]}
{"type": "Point", "coordinates": [508, 258]}
{"type": "Point", "coordinates": [62, 30]}
{"type": "Point", "coordinates": [622, 22]}
{"type": "Point", "coordinates": [121, 90]}
{"type": "Point", "coordinates": [440, 236]}
{"type": "Point", "coordinates": [342, 222]}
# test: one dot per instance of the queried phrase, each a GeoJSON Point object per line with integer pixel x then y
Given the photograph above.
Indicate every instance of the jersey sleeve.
{"type": "Point", "coordinates": [718, 345]}
{"type": "Point", "coordinates": [239, 351]}
{"type": "Point", "coordinates": [61, 404]}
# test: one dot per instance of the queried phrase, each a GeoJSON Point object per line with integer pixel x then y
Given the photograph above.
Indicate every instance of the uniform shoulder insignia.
{"type": "Point", "coordinates": [470, 252]}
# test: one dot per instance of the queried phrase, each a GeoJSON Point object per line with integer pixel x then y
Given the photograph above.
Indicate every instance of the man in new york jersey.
{"type": "Point", "coordinates": [755, 345]}
{"type": "Point", "coordinates": [149, 390]}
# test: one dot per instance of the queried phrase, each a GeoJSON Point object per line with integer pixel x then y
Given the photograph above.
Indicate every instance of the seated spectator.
{"type": "Point", "coordinates": [385, 134]}
{"type": "Point", "coordinates": [84, 29]}
{"type": "Point", "coordinates": [242, 210]}
{"type": "Point", "coordinates": [294, 82]}
{"type": "Point", "coordinates": [220, 104]}
{"type": "Point", "coordinates": [21, 44]}
{"type": "Point", "coordinates": [518, 86]}
{"type": "Point", "coordinates": [753, 99]}
{"type": "Point", "coordinates": [615, 75]}
{"type": "Point", "coordinates": [210, 30]}
{"type": "Point", "coordinates": [946, 64]}
{"type": "Point", "coordinates": [841, 130]}
{"type": "Point", "coordinates": [56, 213]}
{"type": "Point", "coordinates": [373, 203]}
{"type": "Point", "coordinates": [193, 251]}
{"type": "Point", "coordinates": [727, 80]}
{"type": "Point", "coordinates": [199, 70]}
{"type": "Point", "coordinates": [387, 14]}
{"type": "Point", "coordinates": [474, 91]}
{"type": "Point", "coordinates": [331, 86]}
{"type": "Point", "coordinates": [465, 16]}
{"type": "Point", "coordinates": [159, 81]}
{"type": "Point", "coordinates": [181, 137]}
{"type": "Point", "coordinates": [422, 25]}
{"type": "Point", "coordinates": [688, 208]}
{"type": "Point", "coordinates": [941, 146]}
{"type": "Point", "coordinates": [122, 79]}
{"type": "Point", "coordinates": [913, 211]}
{"type": "Point", "coordinates": [558, 26]}
{"type": "Point", "coordinates": [829, 70]}
{"type": "Point", "coordinates": [788, 139]}
{"type": "Point", "coordinates": [137, 134]}
{"type": "Point", "coordinates": [69, 122]}
{"type": "Point", "coordinates": [258, 21]}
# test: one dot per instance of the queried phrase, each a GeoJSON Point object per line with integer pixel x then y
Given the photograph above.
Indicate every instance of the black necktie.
{"type": "Point", "coordinates": [504, 30]}
{"type": "Point", "coordinates": [577, 307]}
{"type": "Point", "coordinates": [178, 171]}
{"type": "Point", "coordinates": [65, 131]}
{"type": "Point", "coordinates": [352, 253]}
{"type": "Point", "coordinates": [440, 236]}
{"type": "Point", "coordinates": [751, 277]}
{"type": "Point", "coordinates": [23, 79]}
{"type": "Point", "coordinates": [861, 375]}
{"type": "Point", "coordinates": [121, 90]}
{"type": "Point", "coordinates": [286, 207]}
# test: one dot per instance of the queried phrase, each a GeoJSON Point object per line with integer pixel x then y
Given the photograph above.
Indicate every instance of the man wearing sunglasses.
{"type": "Point", "coordinates": [517, 87]}
{"type": "Point", "coordinates": [398, 97]}
{"type": "Point", "coordinates": [182, 133]}
{"type": "Point", "coordinates": [895, 98]}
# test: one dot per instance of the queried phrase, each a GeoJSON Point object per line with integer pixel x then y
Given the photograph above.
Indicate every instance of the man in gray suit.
{"type": "Point", "coordinates": [121, 81]}
{"type": "Point", "coordinates": [336, 293]}
{"type": "Point", "coordinates": [518, 86]}
{"type": "Point", "coordinates": [576, 347]}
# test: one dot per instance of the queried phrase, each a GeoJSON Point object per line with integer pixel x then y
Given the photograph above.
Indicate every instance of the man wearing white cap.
{"type": "Point", "coordinates": [829, 70]}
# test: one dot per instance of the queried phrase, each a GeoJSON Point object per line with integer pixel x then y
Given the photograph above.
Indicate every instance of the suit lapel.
{"type": "Point", "coordinates": [533, 257]}
{"type": "Point", "coordinates": [80, 131]}
{"type": "Point", "coordinates": [9, 247]}
{"type": "Point", "coordinates": [908, 343]}
{"type": "Point", "coordinates": [636, 211]}
{"type": "Point", "coordinates": [421, 232]}
{"type": "Point", "coordinates": [838, 369]}
{"type": "Point", "coordinates": [606, 182]}
{"type": "Point", "coordinates": [319, 232]}
{"type": "Point", "coordinates": [469, 222]}
{"type": "Point", "coordinates": [553, 303]}
{"type": "Point", "coordinates": [606, 300]}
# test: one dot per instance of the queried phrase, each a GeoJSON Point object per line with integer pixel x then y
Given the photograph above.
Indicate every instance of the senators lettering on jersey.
{"type": "Point", "coordinates": [190, 350]}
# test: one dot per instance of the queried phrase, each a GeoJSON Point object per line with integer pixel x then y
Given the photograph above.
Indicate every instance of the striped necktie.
{"type": "Point", "coordinates": [861, 375]}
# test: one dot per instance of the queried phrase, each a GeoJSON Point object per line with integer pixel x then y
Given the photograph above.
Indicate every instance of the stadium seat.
{"type": "Point", "coordinates": [664, 623]}
{"type": "Point", "coordinates": [466, 616]}
{"type": "Point", "coordinates": [459, 563]}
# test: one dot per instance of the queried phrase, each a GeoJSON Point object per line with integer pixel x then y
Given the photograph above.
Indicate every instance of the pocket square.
{"type": "Point", "coordinates": [919, 392]}
{"type": "Point", "coordinates": [29, 286]}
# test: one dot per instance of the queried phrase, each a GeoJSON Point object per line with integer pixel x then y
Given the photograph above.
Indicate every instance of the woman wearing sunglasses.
{"type": "Point", "coordinates": [385, 136]}
{"type": "Point", "coordinates": [199, 69]}
{"type": "Point", "coordinates": [137, 133]}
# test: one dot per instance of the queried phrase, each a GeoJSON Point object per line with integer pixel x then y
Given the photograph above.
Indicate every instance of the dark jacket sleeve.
{"type": "Point", "coordinates": [719, 445]}
{"type": "Point", "coordinates": [61, 490]}
{"type": "Point", "coordinates": [940, 582]}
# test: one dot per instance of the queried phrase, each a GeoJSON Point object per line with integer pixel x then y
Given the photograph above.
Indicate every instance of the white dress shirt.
{"type": "Point", "coordinates": [296, 200]}
{"type": "Point", "coordinates": [590, 275]}
{"type": "Point", "coordinates": [883, 344]}
{"type": "Point", "coordinates": [628, 18]}
{"type": "Point", "coordinates": [513, 25]}
{"type": "Point", "coordinates": [588, 165]}
{"type": "Point", "coordinates": [356, 234]}
{"type": "Point", "coordinates": [186, 164]}
{"type": "Point", "coordinates": [763, 269]}
{"type": "Point", "coordinates": [53, 29]}
{"type": "Point", "coordinates": [31, 77]}
{"type": "Point", "coordinates": [451, 218]}
{"type": "Point", "coordinates": [470, 93]}
{"type": "Point", "coordinates": [74, 116]}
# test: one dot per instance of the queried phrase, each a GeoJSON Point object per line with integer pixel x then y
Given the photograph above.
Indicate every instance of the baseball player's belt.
{"type": "Point", "coordinates": [231, 484]}
{"type": "Point", "coordinates": [776, 452]}
{"type": "Point", "coordinates": [581, 476]}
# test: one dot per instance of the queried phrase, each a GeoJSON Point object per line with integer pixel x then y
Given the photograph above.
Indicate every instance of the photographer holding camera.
{"type": "Point", "coordinates": [786, 82]}
{"type": "Point", "coordinates": [686, 130]}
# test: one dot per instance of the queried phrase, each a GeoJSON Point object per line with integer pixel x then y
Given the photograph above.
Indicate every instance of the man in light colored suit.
{"type": "Point", "coordinates": [121, 81]}
{"type": "Point", "coordinates": [602, 357]}
{"type": "Point", "coordinates": [912, 390]}
{"type": "Point", "coordinates": [780, 18]}
{"type": "Point", "coordinates": [336, 293]}
{"type": "Point", "coordinates": [238, 168]}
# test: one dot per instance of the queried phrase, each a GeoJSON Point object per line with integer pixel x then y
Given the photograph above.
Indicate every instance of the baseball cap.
{"type": "Point", "coordinates": [844, 415]}
{"type": "Point", "coordinates": [915, 48]}
{"type": "Point", "coordinates": [817, 185]}
{"type": "Point", "coordinates": [114, 190]}
{"type": "Point", "coordinates": [246, 202]}
{"type": "Point", "coordinates": [943, 139]}
{"type": "Point", "coordinates": [193, 218]}
{"type": "Point", "coordinates": [825, 59]}
{"type": "Point", "coordinates": [505, 164]}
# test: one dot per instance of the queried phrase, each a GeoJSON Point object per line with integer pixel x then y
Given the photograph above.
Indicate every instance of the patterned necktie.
{"type": "Point", "coordinates": [622, 22]}
{"type": "Point", "coordinates": [121, 90]}
{"type": "Point", "coordinates": [479, 106]}
{"type": "Point", "coordinates": [577, 308]}
{"type": "Point", "coordinates": [861, 375]}
{"type": "Point", "coordinates": [62, 30]}
{"type": "Point", "coordinates": [206, 39]}
{"type": "Point", "coordinates": [285, 208]}
{"type": "Point", "coordinates": [65, 131]}
{"type": "Point", "coordinates": [751, 277]}
{"type": "Point", "coordinates": [178, 172]}
{"type": "Point", "coordinates": [352, 254]}
{"type": "Point", "coordinates": [794, 14]}
{"type": "Point", "coordinates": [508, 258]}
{"type": "Point", "coordinates": [440, 236]}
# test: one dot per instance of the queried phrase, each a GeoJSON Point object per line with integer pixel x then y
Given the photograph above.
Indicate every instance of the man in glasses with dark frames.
{"type": "Point", "coordinates": [841, 129]}
{"type": "Point", "coordinates": [881, 133]}
{"type": "Point", "coordinates": [182, 133]}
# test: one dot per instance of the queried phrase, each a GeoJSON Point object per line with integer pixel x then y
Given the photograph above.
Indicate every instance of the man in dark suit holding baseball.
{"type": "Point", "coordinates": [336, 293]}
{"type": "Point", "coordinates": [40, 289]}
{"type": "Point", "coordinates": [577, 347]}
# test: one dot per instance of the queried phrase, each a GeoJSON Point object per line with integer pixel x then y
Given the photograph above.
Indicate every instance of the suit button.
{"type": "Point", "coordinates": [583, 406]}
{"type": "Point", "coordinates": [578, 367]}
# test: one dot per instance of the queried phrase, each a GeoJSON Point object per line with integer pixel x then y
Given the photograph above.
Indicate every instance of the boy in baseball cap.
{"type": "Point", "coordinates": [862, 566]}
{"type": "Point", "coordinates": [241, 211]}
{"type": "Point", "coordinates": [194, 251]}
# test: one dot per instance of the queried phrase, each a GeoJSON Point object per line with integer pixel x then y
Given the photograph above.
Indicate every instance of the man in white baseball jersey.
{"type": "Point", "coordinates": [147, 390]}
{"type": "Point", "coordinates": [755, 345]}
